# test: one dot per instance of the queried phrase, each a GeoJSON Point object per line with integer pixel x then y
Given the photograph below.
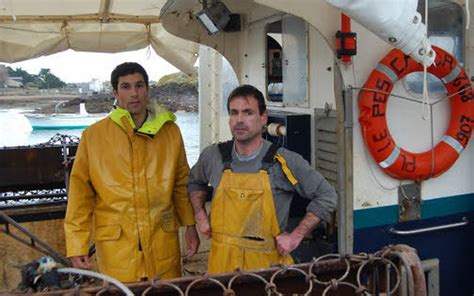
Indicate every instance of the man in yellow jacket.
{"type": "Point", "coordinates": [128, 188]}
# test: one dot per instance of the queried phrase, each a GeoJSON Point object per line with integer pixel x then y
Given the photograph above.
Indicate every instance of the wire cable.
{"type": "Point", "coordinates": [101, 276]}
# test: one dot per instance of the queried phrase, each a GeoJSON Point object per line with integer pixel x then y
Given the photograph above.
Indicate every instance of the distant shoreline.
{"type": "Point", "coordinates": [32, 102]}
{"type": "Point", "coordinates": [101, 103]}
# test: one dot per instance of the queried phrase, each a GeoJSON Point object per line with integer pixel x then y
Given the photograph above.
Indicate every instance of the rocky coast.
{"type": "Point", "coordinates": [173, 92]}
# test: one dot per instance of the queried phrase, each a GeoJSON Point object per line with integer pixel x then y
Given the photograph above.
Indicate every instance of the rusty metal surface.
{"type": "Point", "coordinates": [414, 269]}
{"type": "Point", "coordinates": [31, 168]}
{"type": "Point", "coordinates": [42, 166]}
{"type": "Point", "coordinates": [35, 212]}
{"type": "Point", "coordinates": [409, 202]}
{"type": "Point", "coordinates": [362, 274]}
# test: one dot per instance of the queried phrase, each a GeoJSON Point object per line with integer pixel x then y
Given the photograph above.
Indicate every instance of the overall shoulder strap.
{"type": "Point", "coordinates": [225, 148]}
{"type": "Point", "coordinates": [269, 157]}
{"type": "Point", "coordinates": [286, 170]}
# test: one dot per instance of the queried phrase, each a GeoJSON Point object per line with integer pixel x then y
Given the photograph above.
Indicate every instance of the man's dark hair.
{"type": "Point", "coordinates": [247, 90]}
{"type": "Point", "coordinates": [127, 69]}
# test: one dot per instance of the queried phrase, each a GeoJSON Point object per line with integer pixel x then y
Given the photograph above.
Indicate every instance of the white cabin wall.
{"type": "Point", "coordinates": [321, 60]}
{"type": "Point", "coordinates": [367, 192]}
{"type": "Point", "coordinates": [321, 66]}
{"type": "Point", "coordinates": [252, 54]}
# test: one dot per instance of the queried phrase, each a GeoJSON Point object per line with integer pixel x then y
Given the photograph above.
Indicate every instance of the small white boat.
{"type": "Point", "coordinates": [64, 121]}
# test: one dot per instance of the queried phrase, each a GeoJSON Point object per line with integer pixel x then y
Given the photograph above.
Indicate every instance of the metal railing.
{"type": "Point", "coordinates": [333, 274]}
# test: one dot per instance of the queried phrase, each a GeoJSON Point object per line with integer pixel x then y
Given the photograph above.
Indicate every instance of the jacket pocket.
{"type": "Point", "coordinates": [108, 232]}
{"type": "Point", "coordinates": [113, 251]}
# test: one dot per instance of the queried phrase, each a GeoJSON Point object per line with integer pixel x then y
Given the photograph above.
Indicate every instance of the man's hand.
{"type": "Point", "coordinates": [287, 242]}
{"type": "Point", "coordinates": [192, 241]}
{"type": "Point", "coordinates": [202, 222]}
{"type": "Point", "coordinates": [82, 262]}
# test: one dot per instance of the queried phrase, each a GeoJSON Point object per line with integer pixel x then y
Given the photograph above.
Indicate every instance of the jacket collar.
{"type": "Point", "coordinates": [157, 117]}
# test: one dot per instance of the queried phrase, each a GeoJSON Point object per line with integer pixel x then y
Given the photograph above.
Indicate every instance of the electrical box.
{"type": "Point", "coordinates": [298, 132]}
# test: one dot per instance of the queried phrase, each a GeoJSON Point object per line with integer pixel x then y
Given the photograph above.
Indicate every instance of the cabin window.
{"type": "Point", "coordinates": [445, 30]}
{"type": "Point", "coordinates": [286, 61]}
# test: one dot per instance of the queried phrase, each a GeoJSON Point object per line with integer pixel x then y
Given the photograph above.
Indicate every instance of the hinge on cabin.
{"type": "Point", "coordinates": [409, 202]}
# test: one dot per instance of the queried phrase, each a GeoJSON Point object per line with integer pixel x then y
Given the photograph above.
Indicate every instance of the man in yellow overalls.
{"type": "Point", "coordinates": [128, 188]}
{"type": "Point", "coordinates": [252, 183]}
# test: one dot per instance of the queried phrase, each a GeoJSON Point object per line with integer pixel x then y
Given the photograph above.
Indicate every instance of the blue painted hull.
{"type": "Point", "coordinates": [58, 127]}
{"type": "Point", "coordinates": [62, 121]}
{"type": "Point", "coordinates": [453, 247]}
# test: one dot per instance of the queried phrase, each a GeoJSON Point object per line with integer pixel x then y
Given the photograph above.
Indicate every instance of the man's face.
{"type": "Point", "coordinates": [246, 123]}
{"type": "Point", "coordinates": [132, 93]}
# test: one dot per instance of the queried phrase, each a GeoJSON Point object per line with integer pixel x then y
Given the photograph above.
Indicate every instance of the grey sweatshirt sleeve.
{"type": "Point", "coordinates": [311, 185]}
{"type": "Point", "coordinates": [199, 173]}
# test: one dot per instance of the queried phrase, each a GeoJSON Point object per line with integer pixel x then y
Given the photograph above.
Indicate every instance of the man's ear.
{"type": "Point", "coordinates": [265, 117]}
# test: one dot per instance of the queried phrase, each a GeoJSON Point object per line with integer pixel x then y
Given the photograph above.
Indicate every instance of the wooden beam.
{"type": "Point", "coordinates": [86, 18]}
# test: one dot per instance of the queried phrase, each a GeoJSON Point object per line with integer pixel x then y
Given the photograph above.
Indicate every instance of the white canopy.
{"type": "Point", "coordinates": [34, 28]}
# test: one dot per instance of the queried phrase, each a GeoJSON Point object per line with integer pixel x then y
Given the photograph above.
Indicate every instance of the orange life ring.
{"type": "Point", "coordinates": [395, 161]}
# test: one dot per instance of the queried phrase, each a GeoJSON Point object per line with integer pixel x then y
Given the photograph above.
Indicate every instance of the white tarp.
{"type": "Point", "coordinates": [395, 21]}
{"type": "Point", "coordinates": [33, 28]}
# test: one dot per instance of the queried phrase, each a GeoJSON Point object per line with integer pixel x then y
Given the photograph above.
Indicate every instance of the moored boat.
{"type": "Point", "coordinates": [62, 121]}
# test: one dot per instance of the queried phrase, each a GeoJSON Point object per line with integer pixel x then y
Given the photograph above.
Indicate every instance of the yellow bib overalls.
{"type": "Point", "coordinates": [244, 223]}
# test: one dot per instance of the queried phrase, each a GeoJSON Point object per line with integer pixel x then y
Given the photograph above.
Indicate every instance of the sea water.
{"type": "Point", "coordinates": [15, 130]}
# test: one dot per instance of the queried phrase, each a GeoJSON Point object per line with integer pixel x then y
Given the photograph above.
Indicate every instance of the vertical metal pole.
{"type": "Point", "coordinates": [403, 290]}
{"type": "Point", "coordinates": [431, 266]}
{"type": "Point", "coordinates": [345, 170]}
{"type": "Point", "coordinates": [387, 279]}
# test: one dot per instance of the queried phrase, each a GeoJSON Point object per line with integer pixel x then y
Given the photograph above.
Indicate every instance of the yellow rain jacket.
{"type": "Point", "coordinates": [243, 222]}
{"type": "Point", "coordinates": [128, 194]}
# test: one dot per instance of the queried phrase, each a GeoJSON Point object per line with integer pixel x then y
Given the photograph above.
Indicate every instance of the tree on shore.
{"type": "Point", "coordinates": [49, 80]}
{"type": "Point", "coordinates": [19, 72]}
{"type": "Point", "coordinates": [44, 80]}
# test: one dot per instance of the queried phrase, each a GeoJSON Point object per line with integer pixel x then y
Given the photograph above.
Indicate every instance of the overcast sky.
{"type": "Point", "coordinates": [72, 66]}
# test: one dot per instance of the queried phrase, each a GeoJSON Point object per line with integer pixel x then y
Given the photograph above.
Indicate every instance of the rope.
{"type": "Point", "coordinates": [425, 110]}
{"type": "Point", "coordinates": [101, 276]}
{"type": "Point", "coordinates": [372, 173]}
{"type": "Point", "coordinates": [432, 144]}
{"type": "Point", "coordinates": [411, 99]}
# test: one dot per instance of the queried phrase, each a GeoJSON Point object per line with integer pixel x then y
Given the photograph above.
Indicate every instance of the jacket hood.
{"type": "Point", "coordinates": [157, 117]}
